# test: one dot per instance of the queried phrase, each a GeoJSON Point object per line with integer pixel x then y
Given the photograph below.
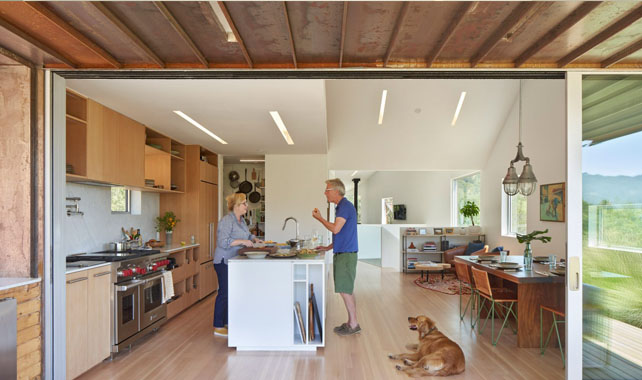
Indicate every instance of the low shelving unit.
{"type": "Point", "coordinates": [409, 256]}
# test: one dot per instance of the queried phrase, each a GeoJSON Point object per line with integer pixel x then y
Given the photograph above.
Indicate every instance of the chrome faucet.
{"type": "Point", "coordinates": [297, 225]}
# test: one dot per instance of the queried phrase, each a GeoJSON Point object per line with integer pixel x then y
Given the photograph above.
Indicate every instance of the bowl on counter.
{"type": "Point", "coordinates": [256, 254]}
{"type": "Point", "coordinates": [307, 253]}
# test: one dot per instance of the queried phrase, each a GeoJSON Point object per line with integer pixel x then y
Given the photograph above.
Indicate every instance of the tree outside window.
{"type": "Point", "coordinates": [467, 188]}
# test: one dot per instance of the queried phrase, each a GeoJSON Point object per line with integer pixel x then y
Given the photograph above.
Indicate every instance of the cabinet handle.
{"type": "Point", "coordinates": [77, 280]}
{"type": "Point", "coordinates": [102, 274]}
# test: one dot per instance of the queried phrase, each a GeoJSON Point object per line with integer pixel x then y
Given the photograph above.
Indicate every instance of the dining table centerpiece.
{"type": "Point", "coordinates": [166, 223]}
{"type": "Point", "coordinates": [527, 239]}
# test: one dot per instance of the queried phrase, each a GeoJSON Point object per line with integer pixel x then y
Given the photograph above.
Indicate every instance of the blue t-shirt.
{"type": "Point", "coordinates": [346, 239]}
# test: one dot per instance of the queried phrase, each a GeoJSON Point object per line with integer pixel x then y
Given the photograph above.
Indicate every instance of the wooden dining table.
{"type": "Point", "coordinates": [533, 289]}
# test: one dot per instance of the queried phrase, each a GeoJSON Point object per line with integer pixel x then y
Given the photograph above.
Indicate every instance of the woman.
{"type": "Point", "coordinates": [231, 235]}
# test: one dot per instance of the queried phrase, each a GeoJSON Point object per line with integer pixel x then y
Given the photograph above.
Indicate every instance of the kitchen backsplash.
{"type": "Point", "coordinates": [98, 226]}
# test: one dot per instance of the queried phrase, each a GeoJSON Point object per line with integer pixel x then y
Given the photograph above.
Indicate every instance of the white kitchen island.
{"type": "Point", "coordinates": [261, 298]}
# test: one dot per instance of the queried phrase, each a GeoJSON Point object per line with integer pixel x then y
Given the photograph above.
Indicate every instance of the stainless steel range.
{"type": "Point", "coordinates": [137, 295]}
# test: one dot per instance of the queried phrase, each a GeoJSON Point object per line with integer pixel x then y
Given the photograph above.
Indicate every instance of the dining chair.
{"type": "Point", "coordinates": [542, 345]}
{"type": "Point", "coordinates": [465, 281]}
{"type": "Point", "coordinates": [497, 297]}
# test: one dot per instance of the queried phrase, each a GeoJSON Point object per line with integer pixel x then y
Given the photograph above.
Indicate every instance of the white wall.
{"type": "Point", "coordinates": [369, 236]}
{"type": "Point", "coordinates": [544, 140]}
{"type": "Point", "coordinates": [294, 186]}
{"type": "Point", "coordinates": [98, 226]}
{"type": "Point", "coordinates": [426, 195]}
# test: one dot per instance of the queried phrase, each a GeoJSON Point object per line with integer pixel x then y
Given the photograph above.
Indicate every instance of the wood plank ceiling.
{"type": "Point", "coordinates": [290, 35]}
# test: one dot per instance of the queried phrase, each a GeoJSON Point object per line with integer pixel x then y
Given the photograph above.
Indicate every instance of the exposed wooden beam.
{"type": "Point", "coordinates": [128, 32]}
{"type": "Point", "coordinates": [287, 23]}
{"type": "Point", "coordinates": [16, 57]}
{"type": "Point", "coordinates": [181, 32]}
{"type": "Point", "coordinates": [236, 34]}
{"type": "Point", "coordinates": [37, 43]}
{"type": "Point", "coordinates": [395, 32]}
{"type": "Point", "coordinates": [602, 36]}
{"type": "Point", "coordinates": [620, 55]}
{"type": "Point", "coordinates": [573, 18]}
{"type": "Point", "coordinates": [344, 22]}
{"type": "Point", "coordinates": [507, 24]}
{"type": "Point", "coordinates": [449, 31]}
{"type": "Point", "coordinates": [73, 32]}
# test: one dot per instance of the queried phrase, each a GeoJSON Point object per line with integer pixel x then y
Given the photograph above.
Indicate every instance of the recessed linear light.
{"type": "Point", "coordinates": [252, 160]}
{"type": "Point", "coordinates": [202, 128]}
{"type": "Point", "coordinates": [222, 21]}
{"type": "Point", "coordinates": [279, 123]}
{"type": "Point", "coordinates": [461, 102]}
{"type": "Point", "coordinates": [354, 173]}
{"type": "Point", "coordinates": [383, 105]}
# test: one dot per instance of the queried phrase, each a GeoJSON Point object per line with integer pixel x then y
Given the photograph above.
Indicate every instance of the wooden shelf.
{"type": "Point", "coordinates": [74, 118]}
{"type": "Point", "coordinates": [75, 177]}
{"type": "Point", "coordinates": [151, 150]}
{"type": "Point", "coordinates": [409, 253]}
{"type": "Point", "coordinates": [156, 190]}
{"type": "Point", "coordinates": [177, 157]}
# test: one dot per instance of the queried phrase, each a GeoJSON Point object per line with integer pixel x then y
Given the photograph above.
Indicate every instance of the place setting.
{"type": "Point", "coordinates": [508, 266]}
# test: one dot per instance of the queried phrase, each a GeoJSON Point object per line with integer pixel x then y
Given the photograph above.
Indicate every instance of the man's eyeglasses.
{"type": "Point", "coordinates": [330, 189]}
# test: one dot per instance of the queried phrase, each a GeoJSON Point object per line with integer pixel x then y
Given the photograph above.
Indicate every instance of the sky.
{"type": "Point", "coordinates": [620, 156]}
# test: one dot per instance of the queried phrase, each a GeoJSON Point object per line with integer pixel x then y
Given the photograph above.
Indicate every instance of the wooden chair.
{"type": "Point", "coordinates": [497, 297]}
{"type": "Point", "coordinates": [463, 275]}
{"type": "Point", "coordinates": [542, 345]}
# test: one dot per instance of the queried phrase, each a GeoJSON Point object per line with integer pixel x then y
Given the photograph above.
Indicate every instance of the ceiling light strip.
{"type": "Point", "coordinates": [384, 94]}
{"type": "Point", "coordinates": [461, 102]}
{"type": "Point", "coordinates": [354, 173]}
{"type": "Point", "coordinates": [252, 160]}
{"type": "Point", "coordinates": [279, 123]}
{"type": "Point", "coordinates": [202, 128]}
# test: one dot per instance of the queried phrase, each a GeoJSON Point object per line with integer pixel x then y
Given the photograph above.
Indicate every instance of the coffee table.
{"type": "Point", "coordinates": [435, 267]}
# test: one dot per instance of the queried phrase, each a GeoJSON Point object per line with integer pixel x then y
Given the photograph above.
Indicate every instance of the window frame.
{"type": "Point", "coordinates": [128, 200]}
{"type": "Point", "coordinates": [454, 204]}
{"type": "Point", "coordinates": [507, 205]}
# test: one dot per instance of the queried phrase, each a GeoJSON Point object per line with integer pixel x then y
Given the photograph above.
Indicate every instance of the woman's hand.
{"type": "Point", "coordinates": [247, 243]}
{"type": "Point", "coordinates": [258, 241]}
{"type": "Point", "coordinates": [316, 214]}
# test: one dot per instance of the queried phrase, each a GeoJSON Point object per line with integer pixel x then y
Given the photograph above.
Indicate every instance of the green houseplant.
{"type": "Point", "coordinates": [471, 210]}
{"type": "Point", "coordinates": [166, 223]}
{"type": "Point", "coordinates": [527, 239]}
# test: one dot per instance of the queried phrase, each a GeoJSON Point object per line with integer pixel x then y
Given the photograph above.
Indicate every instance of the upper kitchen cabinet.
{"type": "Point", "coordinates": [208, 164]}
{"type": "Point", "coordinates": [164, 163]}
{"type": "Point", "coordinates": [76, 120]}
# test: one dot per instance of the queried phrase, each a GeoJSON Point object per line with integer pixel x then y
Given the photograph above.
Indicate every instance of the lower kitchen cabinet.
{"type": "Point", "coordinates": [208, 280]}
{"type": "Point", "coordinates": [88, 313]}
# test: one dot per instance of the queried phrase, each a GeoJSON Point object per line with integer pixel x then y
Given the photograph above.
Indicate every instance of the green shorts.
{"type": "Point", "coordinates": [345, 270]}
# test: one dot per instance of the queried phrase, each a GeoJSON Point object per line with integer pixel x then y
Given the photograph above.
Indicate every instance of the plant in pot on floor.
{"type": "Point", "coordinates": [527, 239]}
{"type": "Point", "coordinates": [167, 223]}
{"type": "Point", "coordinates": [471, 210]}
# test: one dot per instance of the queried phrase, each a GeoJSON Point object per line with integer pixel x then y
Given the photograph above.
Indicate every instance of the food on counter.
{"type": "Point", "coordinates": [183, 243]}
{"type": "Point", "coordinates": [153, 243]}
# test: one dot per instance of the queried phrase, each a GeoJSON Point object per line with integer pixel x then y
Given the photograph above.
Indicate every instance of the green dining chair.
{"type": "Point", "coordinates": [555, 313]}
{"type": "Point", "coordinates": [498, 299]}
{"type": "Point", "coordinates": [465, 282]}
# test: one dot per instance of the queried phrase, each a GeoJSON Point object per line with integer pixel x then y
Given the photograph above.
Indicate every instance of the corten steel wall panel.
{"type": "Point", "coordinates": [15, 171]}
{"type": "Point", "coordinates": [264, 31]}
{"type": "Point", "coordinates": [94, 25]}
{"type": "Point", "coordinates": [368, 31]}
{"type": "Point", "coordinates": [149, 24]}
{"type": "Point", "coordinates": [593, 23]}
{"type": "Point", "coordinates": [478, 24]}
{"type": "Point", "coordinates": [201, 25]}
{"type": "Point", "coordinates": [530, 32]}
{"type": "Point", "coordinates": [422, 29]}
{"type": "Point", "coordinates": [316, 28]}
{"type": "Point", "coordinates": [25, 18]}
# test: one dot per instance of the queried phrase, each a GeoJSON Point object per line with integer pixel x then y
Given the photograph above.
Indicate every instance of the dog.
{"type": "Point", "coordinates": [435, 355]}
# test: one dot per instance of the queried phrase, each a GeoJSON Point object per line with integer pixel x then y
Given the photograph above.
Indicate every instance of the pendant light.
{"type": "Point", "coordinates": [526, 183]}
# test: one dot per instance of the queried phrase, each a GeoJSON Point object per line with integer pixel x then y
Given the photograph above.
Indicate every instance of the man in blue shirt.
{"type": "Point", "coordinates": [345, 246]}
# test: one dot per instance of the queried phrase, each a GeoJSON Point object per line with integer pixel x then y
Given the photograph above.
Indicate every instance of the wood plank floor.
{"type": "Point", "coordinates": [185, 348]}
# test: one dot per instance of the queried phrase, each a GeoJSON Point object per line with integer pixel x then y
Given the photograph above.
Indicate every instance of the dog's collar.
{"type": "Point", "coordinates": [429, 332]}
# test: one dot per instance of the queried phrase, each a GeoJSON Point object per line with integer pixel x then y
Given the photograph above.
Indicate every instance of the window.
{"type": "Point", "coordinates": [466, 188]}
{"type": "Point", "coordinates": [513, 214]}
{"type": "Point", "coordinates": [120, 200]}
{"type": "Point", "coordinates": [387, 212]}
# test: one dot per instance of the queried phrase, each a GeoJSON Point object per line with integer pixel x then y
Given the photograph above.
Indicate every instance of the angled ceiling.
{"type": "Point", "coordinates": [324, 34]}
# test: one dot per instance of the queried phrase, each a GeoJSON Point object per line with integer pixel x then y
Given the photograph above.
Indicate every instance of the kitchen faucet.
{"type": "Point", "coordinates": [297, 225]}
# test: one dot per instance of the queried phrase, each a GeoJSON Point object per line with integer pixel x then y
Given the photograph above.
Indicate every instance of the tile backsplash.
{"type": "Point", "coordinates": [98, 226]}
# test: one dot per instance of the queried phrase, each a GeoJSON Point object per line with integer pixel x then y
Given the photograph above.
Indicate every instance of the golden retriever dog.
{"type": "Point", "coordinates": [435, 355]}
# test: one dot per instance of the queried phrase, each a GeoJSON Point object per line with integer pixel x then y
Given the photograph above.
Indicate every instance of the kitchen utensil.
{"type": "Point", "coordinates": [256, 254]}
{"type": "Point", "coordinates": [258, 181]}
{"type": "Point", "coordinates": [233, 176]}
{"type": "Point", "coordinates": [253, 174]}
{"type": "Point", "coordinates": [245, 186]}
{"type": "Point", "coordinates": [118, 246]}
{"type": "Point", "coordinates": [234, 184]}
{"type": "Point", "coordinates": [254, 196]}
{"type": "Point", "coordinates": [296, 243]}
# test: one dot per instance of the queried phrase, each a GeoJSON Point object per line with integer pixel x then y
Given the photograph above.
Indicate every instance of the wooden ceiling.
{"type": "Point", "coordinates": [321, 35]}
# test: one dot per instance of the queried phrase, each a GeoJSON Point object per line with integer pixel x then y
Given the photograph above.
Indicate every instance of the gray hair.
{"type": "Point", "coordinates": [337, 185]}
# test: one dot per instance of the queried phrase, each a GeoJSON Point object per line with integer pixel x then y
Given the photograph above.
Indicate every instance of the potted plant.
{"type": "Point", "coordinates": [167, 223]}
{"type": "Point", "coordinates": [471, 210]}
{"type": "Point", "coordinates": [528, 252]}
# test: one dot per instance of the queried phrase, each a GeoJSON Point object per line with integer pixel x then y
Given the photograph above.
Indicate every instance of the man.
{"type": "Point", "coordinates": [345, 246]}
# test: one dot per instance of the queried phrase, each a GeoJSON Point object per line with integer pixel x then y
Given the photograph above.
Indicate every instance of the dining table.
{"type": "Point", "coordinates": [535, 287]}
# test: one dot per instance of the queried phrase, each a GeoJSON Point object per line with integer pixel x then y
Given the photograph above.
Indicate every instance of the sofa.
{"type": "Point", "coordinates": [449, 255]}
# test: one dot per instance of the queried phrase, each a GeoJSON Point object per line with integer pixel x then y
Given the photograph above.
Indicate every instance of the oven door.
{"type": "Point", "coordinates": [127, 309]}
{"type": "Point", "coordinates": [152, 306]}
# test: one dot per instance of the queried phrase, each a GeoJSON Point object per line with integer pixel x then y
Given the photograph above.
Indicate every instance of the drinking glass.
{"type": "Point", "coordinates": [502, 256]}
{"type": "Point", "coordinates": [552, 261]}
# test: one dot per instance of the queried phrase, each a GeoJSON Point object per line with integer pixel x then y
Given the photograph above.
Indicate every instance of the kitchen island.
{"type": "Point", "coordinates": [261, 302]}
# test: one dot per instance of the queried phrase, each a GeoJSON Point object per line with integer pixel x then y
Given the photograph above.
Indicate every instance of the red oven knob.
{"type": "Point", "coordinates": [142, 270]}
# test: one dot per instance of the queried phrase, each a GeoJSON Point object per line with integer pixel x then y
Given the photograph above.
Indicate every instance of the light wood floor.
{"type": "Point", "coordinates": [185, 348]}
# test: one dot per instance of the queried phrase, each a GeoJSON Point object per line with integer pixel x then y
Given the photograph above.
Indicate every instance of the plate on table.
{"type": "Point", "coordinates": [487, 257]}
{"type": "Point", "coordinates": [282, 253]}
{"type": "Point", "coordinates": [540, 259]}
{"type": "Point", "coordinates": [508, 265]}
{"type": "Point", "coordinates": [256, 254]}
{"type": "Point", "coordinates": [559, 271]}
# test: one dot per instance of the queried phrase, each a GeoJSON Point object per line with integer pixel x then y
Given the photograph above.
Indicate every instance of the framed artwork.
{"type": "Point", "coordinates": [422, 231]}
{"type": "Point", "coordinates": [437, 231]}
{"type": "Point", "coordinates": [552, 202]}
{"type": "Point", "coordinates": [449, 230]}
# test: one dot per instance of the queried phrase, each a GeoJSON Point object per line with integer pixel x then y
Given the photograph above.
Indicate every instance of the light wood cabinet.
{"type": "Point", "coordinates": [208, 280]}
{"type": "Point", "coordinates": [208, 172]}
{"type": "Point", "coordinates": [95, 146]}
{"type": "Point", "coordinates": [88, 319]}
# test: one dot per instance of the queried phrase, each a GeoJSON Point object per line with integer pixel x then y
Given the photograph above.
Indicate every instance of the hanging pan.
{"type": "Point", "coordinates": [245, 186]}
{"type": "Point", "coordinates": [254, 196]}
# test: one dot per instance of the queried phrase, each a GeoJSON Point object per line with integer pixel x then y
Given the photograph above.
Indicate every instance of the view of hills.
{"type": "Point", "coordinates": [615, 189]}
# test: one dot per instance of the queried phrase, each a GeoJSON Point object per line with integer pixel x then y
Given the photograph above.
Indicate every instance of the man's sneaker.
{"type": "Point", "coordinates": [339, 328]}
{"type": "Point", "coordinates": [349, 331]}
{"type": "Point", "coordinates": [220, 331]}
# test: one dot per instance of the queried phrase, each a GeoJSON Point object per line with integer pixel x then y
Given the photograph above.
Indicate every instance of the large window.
{"type": "Point", "coordinates": [466, 188]}
{"type": "Point", "coordinates": [513, 214]}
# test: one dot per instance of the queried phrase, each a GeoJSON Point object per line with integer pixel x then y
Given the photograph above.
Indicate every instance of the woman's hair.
{"type": "Point", "coordinates": [337, 185]}
{"type": "Point", "coordinates": [234, 199]}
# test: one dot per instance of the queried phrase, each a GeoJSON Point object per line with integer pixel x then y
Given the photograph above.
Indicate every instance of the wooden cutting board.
{"type": "Point", "coordinates": [266, 249]}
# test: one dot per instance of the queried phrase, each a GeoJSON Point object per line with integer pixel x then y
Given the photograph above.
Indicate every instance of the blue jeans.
{"type": "Point", "coordinates": [220, 306]}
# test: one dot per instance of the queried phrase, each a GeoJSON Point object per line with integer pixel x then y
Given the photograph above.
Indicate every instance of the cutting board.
{"type": "Point", "coordinates": [266, 249]}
